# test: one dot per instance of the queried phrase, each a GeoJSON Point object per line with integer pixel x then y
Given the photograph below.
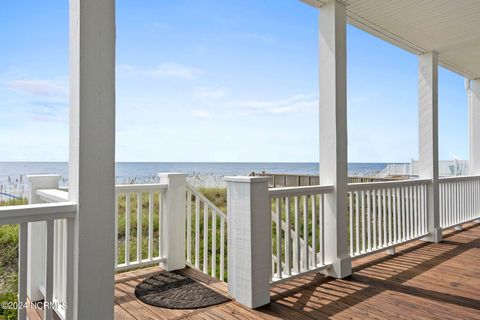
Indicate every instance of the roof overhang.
{"type": "Point", "coordinates": [449, 27]}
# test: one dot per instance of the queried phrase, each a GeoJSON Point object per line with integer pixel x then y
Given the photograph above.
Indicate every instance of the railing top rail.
{"type": "Point", "coordinates": [140, 187]}
{"type": "Point", "coordinates": [389, 184]}
{"type": "Point", "coordinates": [459, 178]}
{"type": "Point", "coordinates": [303, 175]}
{"type": "Point", "coordinates": [299, 191]}
{"type": "Point", "coordinates": [268, 174]}
{"type": "Point", "coordinates": [53, 195]}
{"type": "Point", "coordinates": [37, 212]}
{"type": "Point", "coordinates": [198, 194]}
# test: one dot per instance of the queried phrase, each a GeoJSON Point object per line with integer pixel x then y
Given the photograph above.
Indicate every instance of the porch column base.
{"type": "Point", "coordinates": [436, 236]}
{"type": "Point", "coordinates": [341, 268]}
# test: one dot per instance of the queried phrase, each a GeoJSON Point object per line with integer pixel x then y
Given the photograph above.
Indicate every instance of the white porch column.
{"type": "Point", "coordinates": [333, 134]}
{"type": "Point", "coordinates": [36, 237]}
{"type": "Point", "coordinates": [249, 240]}
{"type": "Point", "coordinates": [173, 226]}
{"type": "Point", "coordinates": [428, 138]}
{"type": "Point", "coordinates": [92, 155]}
{"type": "Point", "coordinates": [474, 126]}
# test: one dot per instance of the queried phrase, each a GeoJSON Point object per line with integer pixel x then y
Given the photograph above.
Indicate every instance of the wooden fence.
{"type": "Point", "coordinates": [279, 180]}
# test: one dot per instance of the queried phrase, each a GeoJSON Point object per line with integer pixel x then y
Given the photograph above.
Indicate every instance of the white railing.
{"type": "Point", "coordinates": [397, 169]}
{"type": "Point", "coordinates": [50, 213]}
{"type": "Point", "coordinates": [297, 231]}
{"type": "Point", "coordinates": [384, 214]}
{"type": "Point", "coordinates": [445, 168]}
{"type": "Point", "coordinates": [459, 200]}
{"type": "Point", "coordinates": [139, 215]}
{"type": "Point", "coordinates": [206, 235]}
{"type": "Point", "coordinates": [62, 253]}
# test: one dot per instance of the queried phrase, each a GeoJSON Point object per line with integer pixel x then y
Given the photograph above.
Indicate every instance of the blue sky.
{"type": "Point", "coordinates": [215, 81]}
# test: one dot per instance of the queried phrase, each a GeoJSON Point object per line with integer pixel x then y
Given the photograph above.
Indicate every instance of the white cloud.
{"type": "Point", "coordinates": [296, 103]}
{"type": "Point", "coordinates": [39, 100]}
{"type": "Point", "coordinates": [210, 93]}
{"type": "Point", "coordinates": [39, 88]}
{"type": "Point", "coordinates": [359, 101]}
{"type": "Point", "coordinates": [265, 38]}
{"type": "Point", "coordinates": [165, 70]}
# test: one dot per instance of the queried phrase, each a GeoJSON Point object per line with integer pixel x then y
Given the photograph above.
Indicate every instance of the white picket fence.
{"type": "Point", "coordinates": [297, 230]}
{"type": "Point", "coordinates": [382, 215]}
{"type": "Point", "coordinates": [459, 200]}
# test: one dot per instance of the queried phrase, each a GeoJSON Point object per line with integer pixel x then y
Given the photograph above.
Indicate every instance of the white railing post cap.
{"type": "Point", "coordinates": [43, 177]}
{"type": "Point", "coordinates": [246, 179]}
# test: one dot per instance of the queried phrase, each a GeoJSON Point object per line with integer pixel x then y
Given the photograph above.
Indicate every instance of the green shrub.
{"type": "Point", "coordinates": [9, 263]}
{"type": "Point", "coordinates": [218, 196]}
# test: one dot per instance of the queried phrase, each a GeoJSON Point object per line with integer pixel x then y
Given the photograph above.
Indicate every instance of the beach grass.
{"type": "Point", "coordinates": [218, 196]}
{"type": "Point", "coordinates": [9, 263]}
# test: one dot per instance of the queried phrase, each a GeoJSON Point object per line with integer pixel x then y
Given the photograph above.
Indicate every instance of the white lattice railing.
{"type": "Point", "coordinates": [206, 235]}
{"type": "Point", "coordinates": [384, 214]}
{"type": "Point", "coordinates": [297, 230]}
{"type": "Point", "coordinates": [139, 216]}
{"type": "Point", "coordinates": [459, 200]}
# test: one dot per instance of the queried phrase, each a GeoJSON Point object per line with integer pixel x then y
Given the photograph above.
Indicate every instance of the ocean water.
{"type": "Point", "coordinates": [209, 174]}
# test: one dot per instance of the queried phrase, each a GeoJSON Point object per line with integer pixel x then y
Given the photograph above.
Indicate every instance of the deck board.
{"type": "Point", "coordinates": [422, 281]}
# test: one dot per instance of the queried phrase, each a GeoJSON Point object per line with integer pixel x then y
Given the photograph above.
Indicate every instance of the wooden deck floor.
{"type": "Point", "coordinates": [422, 281]}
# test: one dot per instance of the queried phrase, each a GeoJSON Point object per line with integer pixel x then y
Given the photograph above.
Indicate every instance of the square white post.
{"type": "Point", "coordinates": [428, 139]}
{"type": "Point", "coordinates": [92, 155]}
{"type": "Point", "coordinates": [36, 234]}
{"type": "Point", "coordinates": [249, 240]}
{"type": "Point", "coordinates": [474, 126]}
{"type": "Point", "coordinates": [333, 134]}
{"type": "Point", "coordinates": [174, 217]}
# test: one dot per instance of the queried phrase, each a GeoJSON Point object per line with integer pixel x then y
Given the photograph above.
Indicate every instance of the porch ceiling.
{"type": "Point", "coordinates": [450, 27]}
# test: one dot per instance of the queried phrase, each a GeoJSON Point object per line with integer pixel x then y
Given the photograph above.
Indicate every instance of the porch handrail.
{"type": "Point", "coordinates": [459, 200]}
{"type": "Point", "coordinates": [382, 215]}
{"type": "Point", "coordinates": [130, 194]}
{"type": "Point", "coordinates": [204, 199]}
{"type": "Point", "coordinates": [387, 184]}
{"type": "Point", "coordinates": [23, 215]}
{"type": "Point", "coordinates": [37, 212]}
{"type": "Point", "coordinates": [299, 191]}
{"type": "Point", "coordinates": [460, 178]}
{"type": "Point", "coordinates": [297, 212]}
{"type": "Point", "coordinates": [147, 187]}
{"type": "Point", "coordinates": [200, 211]}
{"type": "Point", "coordinates": [52, 195]}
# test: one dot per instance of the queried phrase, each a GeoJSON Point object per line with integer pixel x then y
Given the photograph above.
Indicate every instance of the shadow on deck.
{"type": "Point", "coordinates": [422, 281]}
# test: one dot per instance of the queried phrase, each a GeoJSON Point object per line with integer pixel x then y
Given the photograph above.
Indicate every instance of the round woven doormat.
{"type": "Point", "coordinates": [174, 291]}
